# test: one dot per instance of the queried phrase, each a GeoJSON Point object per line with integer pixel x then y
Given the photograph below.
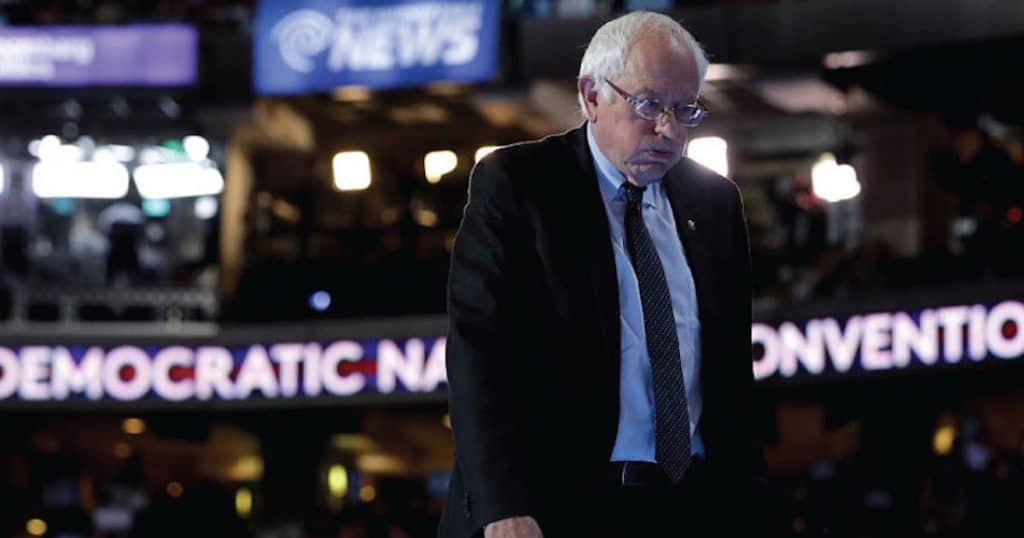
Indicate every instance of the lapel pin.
{"type": "Point", "coordinates": [692, 225]}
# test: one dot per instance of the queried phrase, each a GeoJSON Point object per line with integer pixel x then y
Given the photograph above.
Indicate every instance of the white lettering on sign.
{"type": "Point", "coordinates": [180, 373]}
{"type": "Point", "coordinates": [890, 340]}
{"type": "Point", "coordinates": [417, 371]}
{"type": "Point", "coordinates": [36, 57]}
{"type": "Point", "coordinates": [381, 38]}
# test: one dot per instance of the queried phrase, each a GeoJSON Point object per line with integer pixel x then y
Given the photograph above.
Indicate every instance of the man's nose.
{"type": "Point", "coordinates": [667, 126]}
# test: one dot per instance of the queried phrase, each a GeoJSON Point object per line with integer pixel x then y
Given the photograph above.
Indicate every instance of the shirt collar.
{"type": "Point", "coordinates": [611, 179]}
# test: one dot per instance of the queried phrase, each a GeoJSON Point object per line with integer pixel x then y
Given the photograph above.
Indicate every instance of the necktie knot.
{"type": "Point", "coordinates": [634, 194]}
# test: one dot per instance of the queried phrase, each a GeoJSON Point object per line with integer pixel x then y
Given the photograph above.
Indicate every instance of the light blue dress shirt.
{"type": "Point", "coordinates": [635, 438]}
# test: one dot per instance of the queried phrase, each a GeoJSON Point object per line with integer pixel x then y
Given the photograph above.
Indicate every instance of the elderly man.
{"type": "Point", "coordinates": [599, 359]}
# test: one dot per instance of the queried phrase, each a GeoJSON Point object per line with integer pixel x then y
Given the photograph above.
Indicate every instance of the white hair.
{"type": "Point", "coordinates": [606, 54]}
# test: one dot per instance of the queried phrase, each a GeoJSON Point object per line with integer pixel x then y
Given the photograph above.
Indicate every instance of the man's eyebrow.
{"type": "Point", "coordinates": [646, 90]}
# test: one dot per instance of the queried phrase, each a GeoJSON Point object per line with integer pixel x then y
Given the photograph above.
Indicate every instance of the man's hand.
{"type": "Point", "coordinates": [513, 527]}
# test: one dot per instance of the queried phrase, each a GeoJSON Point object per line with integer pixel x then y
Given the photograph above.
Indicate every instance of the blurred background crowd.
{"type": "Point", "coordinates": [184, 175]}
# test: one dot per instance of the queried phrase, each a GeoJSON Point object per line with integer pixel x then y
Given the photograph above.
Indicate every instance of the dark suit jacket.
{"type": "Point", "coordinates": [533, 351]}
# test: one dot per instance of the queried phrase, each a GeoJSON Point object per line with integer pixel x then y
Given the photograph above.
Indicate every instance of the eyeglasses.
{"type": "Point", "coordinates": [650, 109]}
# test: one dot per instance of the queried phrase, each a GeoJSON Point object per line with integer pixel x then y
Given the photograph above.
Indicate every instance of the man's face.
{"type": "Point", "coordinates": [642, 149]}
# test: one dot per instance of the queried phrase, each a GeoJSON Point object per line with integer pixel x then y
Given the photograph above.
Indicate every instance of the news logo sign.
{"type": "Point", "coordinates": [312, 45]}
{"type": "Point", "coordinates": [176, 373]}
{"type": "Point", "coordinates": [895, 340]}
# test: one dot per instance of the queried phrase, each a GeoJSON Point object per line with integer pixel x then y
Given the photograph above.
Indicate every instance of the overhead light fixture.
{"type": "Point", "coordinates": [83, 179]}
{"type": "Point", "coordinates": [243, 502]}
{"type": "Point", "coordinates": [246, 468]}
{"type": "Point", "coordinates": [718, 71]}
{"type": "Point", "coordinates": [196, 147]}
{"type": "Point", "coordinates": [352, 93]}
{"type": "Point", "coordinates": [121, 152]}
{"type": "Point", "coordinates": [367, 493]}
{"type": "Point", "coordinates": [151, 155]}
{"type": "Point", "coordinates": [351, 170]}
{"type": "Point", "coordinates": [710, 151]}
{"type": "Point", "coordinates": [438, 163]}
{"type": "Point", "coordinates": [36, 527]}
{"type": "Point", "coordinates": [482, 152]}
{"type": "Point", "coordinates": [69, 152]}
{"type": "Point", "coordinates": [156, 207]}
{"type": "Point", "coordinates": [320, 300]}
{"type": "Point", "coordinates": [205, 207]}
{"type": "Point", "coordinates": [177, 180]}
{"type": "Point", "coordinates": [337, 480]}
{"type": "Point", "coordinates": [834, 182]}
{"type": "Point", "coordinates": [175, 489]}
{"type": "Point", "coordinates": [48, 147]}
{"type": "Point", "coordinates": [849, 59]}
{"type": "Point", "coordinates": [133, 426]}
{"type": "Point", "coordinates": [942, 441]}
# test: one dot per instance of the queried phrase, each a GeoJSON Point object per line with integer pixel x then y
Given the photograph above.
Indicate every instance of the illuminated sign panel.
{"type": "Point", "coordinates": [889, 340]}
{"type": "Point", "coordinates": [76, 56]}
{"type": "Point", "coordinates": [819, 348]}
{"type": "Point", "coordinates": [204, 373]}
{"type": "Point", "coordinates": [312, 46]}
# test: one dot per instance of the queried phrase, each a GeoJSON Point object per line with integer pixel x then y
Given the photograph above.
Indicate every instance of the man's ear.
{"type": "Point", "coordinates": [587, 87]}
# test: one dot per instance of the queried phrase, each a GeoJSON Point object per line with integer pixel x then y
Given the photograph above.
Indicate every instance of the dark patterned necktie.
{"type": "Point", "coordinates": [671, 417]}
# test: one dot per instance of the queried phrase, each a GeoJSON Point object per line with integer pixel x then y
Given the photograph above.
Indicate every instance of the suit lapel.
{"type": "Point", "coordinates": [595, 244]}
{"type": "Point", "coordinates": [684, 198]}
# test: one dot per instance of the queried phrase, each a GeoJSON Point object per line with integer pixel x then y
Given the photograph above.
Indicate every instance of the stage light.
{"type": "Point", "coordinates": [175, 489]}
{"type": "Point", "coordinates": [48, 147]}
{"type": "Point", "coordinates": [156, 208]}
{"type": "Point", "coordinates": [1, 178]}
{"type": "Point", "coordinates": [367, 493]}
{"type": "Point", "coordinates": [711, 151]}
{"type": "Point", "coordinates": [246, 468]}
{"type": "Point", "coordinates": [942, 442]}
{"type": "Point", "coordinates": [177, 180]}
{"type": "Point", "coordinates": [151, 155]}
{"type": "Point", "coordinates": [133, 426]}
{"type": "Point", "coordinates": [337, 480]}
{"type": "Point", "coordinates": [482, 152]}
{"type": "Point", "coordinates": [438, 163]}
{"type": "Point", "coordinates": [58, 179]}
{"type": "Point", "coordinates": [205, 207]}
{"type": "Point", "coordinates": [69, 153]}
{"type": "Point", "coordinates": [834, 182]}
{"type": "Point", "coordinates": [36, 527]}
{"type": "Point", "coordinates": [351, 170]}
{"type": "Point", "coordinates": [320, 300]}
{"type": "Point", "coordinates": [122, 152]}
{"type": "Point", "coordinates": [243, 502]}
{"type": "Point", "coordinates": [196, 147]}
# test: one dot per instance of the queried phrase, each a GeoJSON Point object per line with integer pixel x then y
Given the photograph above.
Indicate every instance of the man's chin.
{"type": "Point", "coordinates": [648, 172]}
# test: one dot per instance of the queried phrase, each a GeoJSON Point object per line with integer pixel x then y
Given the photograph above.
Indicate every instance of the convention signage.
{"type": "Point", "coordinates": [317, 45]}
{"type": "Point", "coordinates": [178, 373]}
{"type": "Point", "coordinates": [933, 338]}
{"type": "Point", "coordinates": [79, 56]}
{"type": "Point", "coordinates": [889, 340]}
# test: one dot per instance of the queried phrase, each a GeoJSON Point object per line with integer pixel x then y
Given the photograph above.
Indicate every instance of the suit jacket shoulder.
{"type": "Point", "coordinates": [525, 167]}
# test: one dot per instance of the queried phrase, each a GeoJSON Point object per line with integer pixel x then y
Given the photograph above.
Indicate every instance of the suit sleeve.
{"type": "Point", "coordinates": [486, 355]}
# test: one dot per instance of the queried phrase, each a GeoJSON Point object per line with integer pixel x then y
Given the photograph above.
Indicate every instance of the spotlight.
{"type": "Point", "coordinates": [438, 163]}
{"type": "Point", "coordinates": [351, 170]}
{"type": "Point", "coordinates": [320, 300]}
{"type": "Point", "coordinates": [711, 151]}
